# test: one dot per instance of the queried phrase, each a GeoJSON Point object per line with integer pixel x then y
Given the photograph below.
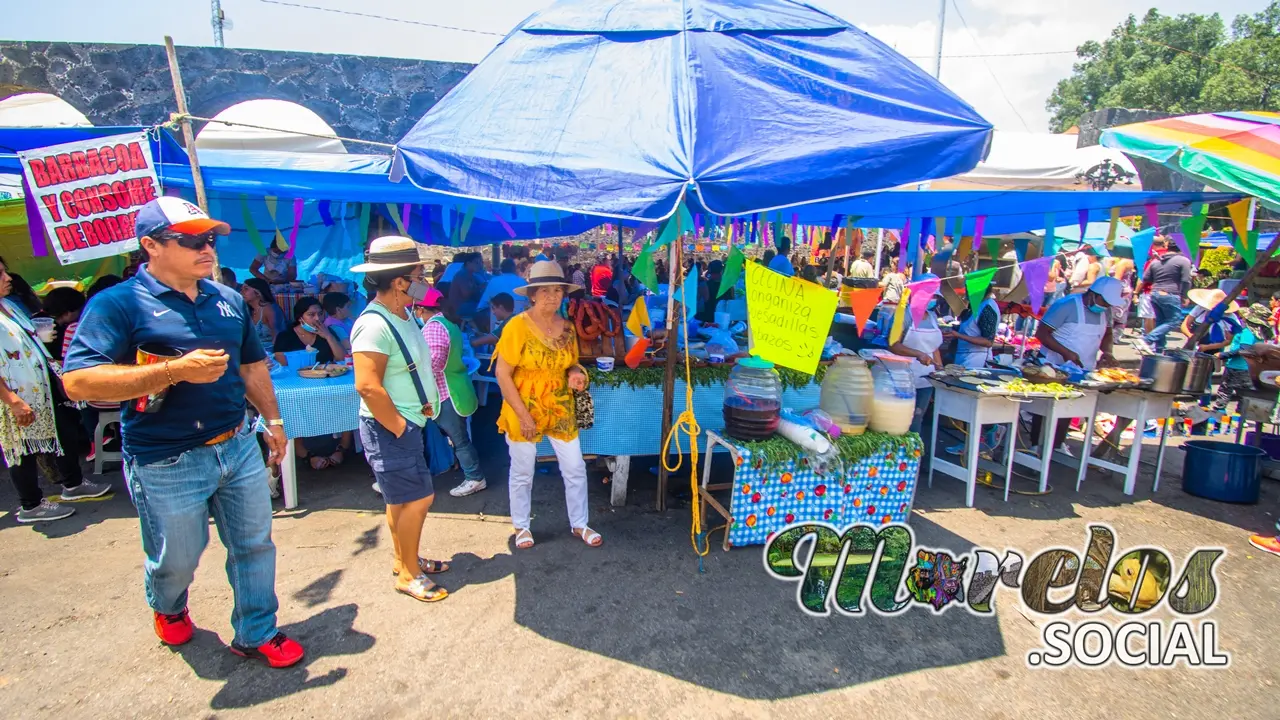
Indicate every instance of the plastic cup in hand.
{"type": "Point", "coordinates": [44, 329]}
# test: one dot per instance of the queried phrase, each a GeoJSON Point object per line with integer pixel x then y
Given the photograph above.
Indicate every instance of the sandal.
{"type": "Point", "coordinates": [318, 462]}
{"type": "Point", "coordinates": [524, 539]}
{"type": "Point", "coordinates": [428, 567]}
{"type": "Point", "coordinates": [589, 536]}
{"type": "Point", "coordinates": [336, 458]}
{"type": "Point", "coordinates": [424, 590]}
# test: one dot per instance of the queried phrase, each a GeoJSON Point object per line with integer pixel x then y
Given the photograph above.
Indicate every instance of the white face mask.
{"type": "Point", "coordinates": [417, 290]}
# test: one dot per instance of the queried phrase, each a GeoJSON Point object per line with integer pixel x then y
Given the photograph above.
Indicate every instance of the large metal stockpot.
{"type": "Point", "coordinates": [1166, 373]}
{"type": "Point", "coordinates": [1200, 367]}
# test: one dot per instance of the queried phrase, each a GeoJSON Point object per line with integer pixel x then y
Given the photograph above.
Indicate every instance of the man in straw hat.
{"type": "Point", "coordinates": [193, 455]}
{"type": "Point", "coordinates": [398, 394]}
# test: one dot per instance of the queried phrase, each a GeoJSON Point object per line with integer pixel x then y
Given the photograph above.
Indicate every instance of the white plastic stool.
{"type": "Point", "coordinates": [105, 418]}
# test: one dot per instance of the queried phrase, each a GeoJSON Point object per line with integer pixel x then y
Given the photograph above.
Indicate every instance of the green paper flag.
{"type": "Point", "coordinates": [993, 247]}
{"type": "Point", "coordinates": [1111, 230]}
{"type": "Point", "coordinates": [679, 223]}
{"type": "Point", "coordinates": [1246, 246]}
{"type": "Point", "coordinates": [957, 229]}
{"type": "Point", "coordinates": [1192, 227]}
{"type": "Point", "coordinates": [537, 223]}
{"type": "Point", "coordinates": [732, 270]}
{"type": "Point", "coordinates": [394, 211]}
{"type": "Point", "coordinates": [939, 231]}
{"type": "Point", "coordinates": [645, 270]}
{"type": "Point", "coordinates": [254, 236]}
{"type": "Point", "coordinates": [976, 284]}
{"type": "Point", "coordinates": [366, 211]}
{"type": "Point", "coordinates": [466, 223]}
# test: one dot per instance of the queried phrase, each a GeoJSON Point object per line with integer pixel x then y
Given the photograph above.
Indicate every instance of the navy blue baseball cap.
{"type": "Point", "coordinates": [178, 215]}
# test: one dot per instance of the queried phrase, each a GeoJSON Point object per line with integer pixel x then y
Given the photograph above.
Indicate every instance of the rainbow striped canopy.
{"type": "Point", "coordinates": [1237, 151]}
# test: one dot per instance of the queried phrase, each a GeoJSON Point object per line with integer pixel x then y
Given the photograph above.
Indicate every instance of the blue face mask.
{"type": "Point", "coordinates": [1094, 307]}
{"type": "Point", "coordinates": [933, 305]}
{"type": "Point", "coordinates": [308, 328]}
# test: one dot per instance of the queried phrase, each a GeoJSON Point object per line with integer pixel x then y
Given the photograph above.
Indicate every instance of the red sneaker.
{"type": "Point", "coordinates": [279, 651]}
{"type": "Point", "coordinates": [174, 629]}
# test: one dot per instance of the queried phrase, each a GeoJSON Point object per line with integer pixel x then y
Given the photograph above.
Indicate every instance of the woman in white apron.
{"type": "Point", "coordinates": [973, 348]}
{"type": "Point", "coordinates": [1076, 329]}
{"type": "Point", "coordinates": [921, 342]}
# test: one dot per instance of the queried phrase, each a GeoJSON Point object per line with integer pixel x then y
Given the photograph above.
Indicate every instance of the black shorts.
{"type": "Point", "coordinates": [398, 462]}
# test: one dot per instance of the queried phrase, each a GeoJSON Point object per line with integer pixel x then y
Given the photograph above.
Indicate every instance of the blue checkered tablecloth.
{"type": "Point", "coordinates": [311, 408]}
{"type": "Point", "coordinates": [879, 490]}
{"type": "Point", "coordinates": [629, 421]}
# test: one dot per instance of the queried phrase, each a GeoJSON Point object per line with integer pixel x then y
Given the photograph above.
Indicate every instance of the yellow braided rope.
{"type": "Point", "coordinates": [687, 423]}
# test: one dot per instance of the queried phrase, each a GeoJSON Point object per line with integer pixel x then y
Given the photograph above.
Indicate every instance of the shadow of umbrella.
{"type": "Point", "coordinates": [732, 629]}
{"type": "Point", "coordinates": [327, 633]}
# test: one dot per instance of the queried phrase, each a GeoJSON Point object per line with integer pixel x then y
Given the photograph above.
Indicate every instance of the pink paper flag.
{"type": "Point", "coordinates": [1153, 215]}
{"type": "Point", "coordinates": [979, 223]}
{"type": "Point", "coordinates": [1035, 273]}
{"type": "Point", "coordinates": [505, 225]}
{"type": "Point", "coordinates": [35, 223]}
{"type": "Point", "coordinates": [1083, 215]}
{"type": "Point", "coordinates": [921, 293]}
{"type": "Point", "coordinates": [902, 246]}
{"type": "Point", "coordinates": [297, 221]}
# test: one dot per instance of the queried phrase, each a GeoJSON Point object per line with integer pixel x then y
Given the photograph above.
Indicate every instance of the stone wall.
{"type": "Point", "coordinates": [370, 98]}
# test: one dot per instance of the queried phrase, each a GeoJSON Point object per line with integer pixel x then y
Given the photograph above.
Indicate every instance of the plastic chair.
{"type": "Point", "coordinates": [105, 418]}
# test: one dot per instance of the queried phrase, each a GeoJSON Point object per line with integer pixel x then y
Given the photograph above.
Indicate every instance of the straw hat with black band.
{"type": "Point", "coordinates": [546, 273]}
{"type": "Point", "coordinates": [391, 252]}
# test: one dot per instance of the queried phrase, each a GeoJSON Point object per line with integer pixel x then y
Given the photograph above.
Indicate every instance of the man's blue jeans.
{"type": "Point", "coordinates": [455, 426]}
{"type": "Point", "coordinates": [1168, 309]}
{"type": "Point", "coordinates": [175, 498]}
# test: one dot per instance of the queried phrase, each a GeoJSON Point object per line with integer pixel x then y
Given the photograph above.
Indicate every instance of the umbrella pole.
{"type": "Point", "coordinates": [1236, 291]}
{"type": "Point", "coordinates": [669, 375]}
{"type": "Point", "coordinates": [189, 139]}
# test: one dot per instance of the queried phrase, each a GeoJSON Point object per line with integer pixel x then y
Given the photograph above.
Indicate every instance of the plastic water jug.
{"type": "Point", "coordinates": [752, 400]}
{"type": "Point", "coordinates": [846, 394]}
{"type": "Point", "coordinates": [894, 402]}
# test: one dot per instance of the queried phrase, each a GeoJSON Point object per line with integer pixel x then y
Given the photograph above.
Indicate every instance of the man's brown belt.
{"type": "Point", "coordinates": [226, 435]}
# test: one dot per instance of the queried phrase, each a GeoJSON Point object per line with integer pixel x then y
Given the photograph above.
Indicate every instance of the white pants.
{"type": "Point", "coordinates": [524, 458]}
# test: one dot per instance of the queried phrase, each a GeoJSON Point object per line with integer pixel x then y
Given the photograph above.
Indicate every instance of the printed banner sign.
{"type": "Point", "coordinates": [89, 193]}
{"type": "Point", "coordinates": [789, 318]}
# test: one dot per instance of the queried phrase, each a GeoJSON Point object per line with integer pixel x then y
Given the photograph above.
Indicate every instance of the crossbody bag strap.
{"type": "Point", "coordinates": [410, 365]}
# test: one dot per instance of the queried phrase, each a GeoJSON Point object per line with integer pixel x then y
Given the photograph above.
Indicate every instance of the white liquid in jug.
{"type": "Point", "coordinates": [892, 414]}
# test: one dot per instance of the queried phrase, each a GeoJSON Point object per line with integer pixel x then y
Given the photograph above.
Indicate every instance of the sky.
{"type": "Point", "coordinates": [1009, 90]}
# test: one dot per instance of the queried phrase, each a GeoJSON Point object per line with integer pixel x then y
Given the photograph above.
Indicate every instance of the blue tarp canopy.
{"type": "Point", "coordinates": [619, 107]}
{"type": "Point", "coordinates": [363, 178]}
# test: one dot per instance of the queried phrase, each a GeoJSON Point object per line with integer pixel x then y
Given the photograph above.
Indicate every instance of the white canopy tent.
{"type": "Point", "coordinates": [1035, 161]}
{"type": "Point", "coordinates": [286, 120]}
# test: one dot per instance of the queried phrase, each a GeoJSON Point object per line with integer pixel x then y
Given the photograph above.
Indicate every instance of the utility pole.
{"type": "Point", "coordinates": [217, 18]}
{"type": "Point", "coordinates": [942, 23]}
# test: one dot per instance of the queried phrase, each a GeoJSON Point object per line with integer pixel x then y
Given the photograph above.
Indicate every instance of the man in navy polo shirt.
{"type": "Point", "coordinates": [190, 453]}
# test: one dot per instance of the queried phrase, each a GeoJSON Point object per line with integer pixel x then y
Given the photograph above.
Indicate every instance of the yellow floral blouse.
{"type": "Point", "coordinates": [541, 376]}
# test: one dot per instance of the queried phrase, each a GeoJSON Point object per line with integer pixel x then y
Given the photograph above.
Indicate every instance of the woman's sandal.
{"type": "Point", "coordinates": [524, 539]}
{"type": "Point", "coordinates": [323, 464]}
{"type": "Point", "coordinates": [589, 536]}
{"type": "Point", "coordinates": [421, 588]}
{"type": "Point", "coordinates": [336, 458]}
{"type": "Point", "coordinates": [428, 567]}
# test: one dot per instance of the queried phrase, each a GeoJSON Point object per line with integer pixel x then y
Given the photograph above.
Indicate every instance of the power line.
{"type": "Point", "coordinates": [987, 65]}
{"type": "Point", "coordinates": [381, 17]}
{"type": "Point", "coordinates": [991, 55]}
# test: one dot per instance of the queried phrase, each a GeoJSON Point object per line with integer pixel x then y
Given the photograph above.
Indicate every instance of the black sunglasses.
{"type": "Point", "coordinates": [191, 242]}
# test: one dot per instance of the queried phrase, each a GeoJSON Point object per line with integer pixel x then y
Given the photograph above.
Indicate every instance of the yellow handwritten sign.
{"type": "Point", "coordinates": [789, 318]}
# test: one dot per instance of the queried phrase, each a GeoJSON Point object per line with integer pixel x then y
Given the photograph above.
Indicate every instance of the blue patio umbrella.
{"type": "Point", "coordinates": [620, 108]}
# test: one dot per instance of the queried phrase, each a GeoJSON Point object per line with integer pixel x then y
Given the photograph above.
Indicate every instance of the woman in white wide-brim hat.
{"type": "Point", "coordinates": [537, 370]}
{"type": "Point", "coordinates": [398, 394]}
{"type": "Point", "coordinates": [1224, 325]}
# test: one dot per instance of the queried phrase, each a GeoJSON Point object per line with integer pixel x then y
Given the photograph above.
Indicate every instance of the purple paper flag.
{"type": "Point", "coordinates": [904, 246]}
{"type": "Point", "coordinates": [795, 220]}
{"type": "Point", "coordinates": [921, 293]}
{"type": "Point", "coordinates": [35, 222]}
{"type": "Point", "coordinates": [1181, 240]}
{"type": "Point", "coordinates": [1153, 215]}
{"type": "Point", "coordinates": [1035, 273]}
{"type": "Point", "coordinates": [1083, 216]}
{"type": "Point", "coordinates": [426, 223]}
{"type": "Point", "coordinates": [979, 223]}
{"type": "Point", "coordinates": [323, 207]}
{"type": "Point", "coordinates": [505, 225]}
{"type": "Point", "coordinates": [926, 235]}
{"type": "Point", "coordinates": [836, 222]}
{"type": "Point", "coordinates": [644, 229]}
{"type": "Point", "coordinates": [404, 215]}
{"type": "Point", "coordinates": [297, 222]}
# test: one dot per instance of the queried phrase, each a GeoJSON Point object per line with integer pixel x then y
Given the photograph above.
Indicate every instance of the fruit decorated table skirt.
{"type": "Point", "coordinates": [874, 481]}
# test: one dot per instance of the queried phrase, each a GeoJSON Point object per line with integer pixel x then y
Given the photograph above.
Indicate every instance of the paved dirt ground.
{"type": "Point", "coordinates": [629, 630]}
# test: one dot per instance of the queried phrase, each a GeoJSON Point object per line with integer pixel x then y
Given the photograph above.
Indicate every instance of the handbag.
{"type": "Point", "coordinates": [410, 365]}
{"type": "Point", "coordinates": [584, 409]}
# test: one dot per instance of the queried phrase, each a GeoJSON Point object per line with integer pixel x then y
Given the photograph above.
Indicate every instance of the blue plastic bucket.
{"type": "Point", "coordinates": [1222, 471]}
